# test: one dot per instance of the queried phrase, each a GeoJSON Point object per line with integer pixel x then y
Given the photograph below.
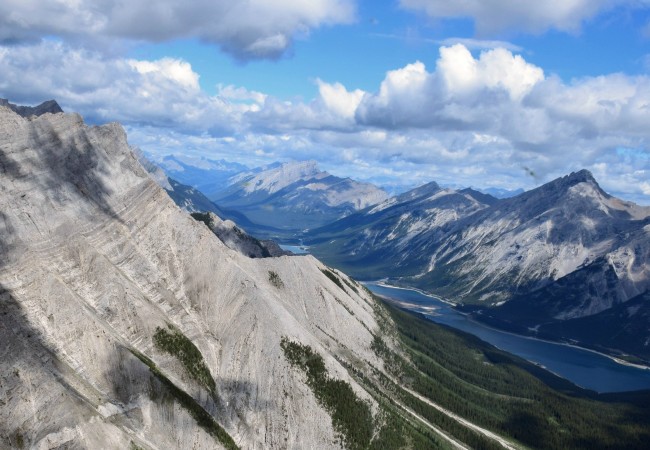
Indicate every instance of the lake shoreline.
{"type": "Point", "coordinates": [383, 283]}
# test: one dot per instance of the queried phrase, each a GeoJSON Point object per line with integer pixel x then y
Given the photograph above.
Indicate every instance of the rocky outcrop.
{"type": "Point", "coordinates": [49, 106]}
{"type": "Point", "coordinates": [236, 239]}
{"type": "Point", "coordinates": [96, 261]}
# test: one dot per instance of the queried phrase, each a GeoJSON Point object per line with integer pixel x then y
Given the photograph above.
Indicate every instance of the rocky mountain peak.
{"type": "Point", "coordinates": [421, 191]}
{"type": "Point", "coordinates": [282, 176]}
{"type": "Point", "coordinates": [479, 196]}
{"type": "Point", "coordinates": [106, 287]}
{"type": "Point", "coordinates": [581, 176]}
{"type": "Point", "coordinates": [566, 182]}
{"type": "Point", "coordinates": [49, 106]}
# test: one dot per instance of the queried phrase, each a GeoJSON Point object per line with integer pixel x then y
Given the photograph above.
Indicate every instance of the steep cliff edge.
{"type": "Point", "coordinates": [106, 287]}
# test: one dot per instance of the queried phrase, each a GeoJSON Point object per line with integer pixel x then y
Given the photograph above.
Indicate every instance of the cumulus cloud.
{"type": "Point", "coordinates": [458, 94]}
{"type": "Point", "coordinates": [500, 113]}
{"type": "Point", "coordinates": [163, 92]}
{"type": "Point", "coordinates": [492, 16]}
{"type": "Point", "coordinates": [337, 99]}
{"type": "Point", "coordinates": [245, 28]}
{"type": "Point", "coordinates": [470, 120]}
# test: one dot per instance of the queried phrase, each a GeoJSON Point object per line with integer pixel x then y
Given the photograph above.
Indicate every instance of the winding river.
{"type": "Point", "coordinates": [585, 368]}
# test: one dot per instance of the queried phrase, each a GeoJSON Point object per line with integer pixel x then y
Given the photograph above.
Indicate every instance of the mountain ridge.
{"type": "Point", "coordinates": [537, 258]}
{"type": "Point", "coordinates": [48, 106]}
{"type": "Point", "coordinates": [97, 260]}
{"type": "Point", "coordinates": [296, 195]}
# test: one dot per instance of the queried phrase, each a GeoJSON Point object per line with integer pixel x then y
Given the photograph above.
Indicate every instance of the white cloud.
{"type": "Point", "coordinates": [164, 92]}
{"type": "Point", "coordinates": [174, 70]}
{"type": "Point", "coordinates": [240, 94]}
{"type": "Point", "coordinates": [338, 99]}
{"type": "Point", "coordinates": [462, 92]}
{"type": "Point", "coordinates": [492, 16]}
{"type": "Point", "coordinates": [244, 28]}
{"type": "Point", "coordinates": [496, 69]}
{"type": "Point", "coordinates": [472, 120]}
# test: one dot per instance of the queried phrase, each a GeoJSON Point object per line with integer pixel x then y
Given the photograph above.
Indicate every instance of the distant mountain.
{"type": "Point", "coordinates": [49, 106]}
{"type": "Point", "coordinates": [564, 251]}
{"type": "Point", "coordinates": [207, 175]}
{"type": "Point", "coordinates": [502, 193]}
{"type": "Point", "coordinates": [388, 239]}
{"type": "Point", "coordinates": [524, 243]}
{"type": "Point", "coordinates": [193, 200]}
{"type": "Point", "coordinates": [296, 195]}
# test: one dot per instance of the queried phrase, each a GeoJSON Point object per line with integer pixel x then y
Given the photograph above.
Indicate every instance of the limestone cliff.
{"type": "Point", "coordinates": [97, 265]}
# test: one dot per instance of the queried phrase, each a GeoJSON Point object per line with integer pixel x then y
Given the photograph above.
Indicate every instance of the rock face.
{"type": "Point", "coordinates": [389, 238]}
{"type": "Point", "coordinates": [236, 239]}
{"type": "Point", "coordinates": [96, 260]}
{"type": "Point", "coordinates": [564, 251]}
{"type": "Point", "coordinates": [524, 243]}
{"type": "Point", "coordinates": [296, 195]}
{"type": "Point", "coordinates": [49, 106]}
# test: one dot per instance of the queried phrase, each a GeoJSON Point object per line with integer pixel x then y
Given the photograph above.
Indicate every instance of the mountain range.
{"type": "Point", "coordinates": [533, 263]}
{"type": "Point", "coordinates": [126, 322]}
{"type": "Point", "coordinates": [547, 262]}
{"type": "Point", "coordinates": [207, 175]}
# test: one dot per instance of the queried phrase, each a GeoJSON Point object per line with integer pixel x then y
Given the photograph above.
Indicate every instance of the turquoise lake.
{"type": "Point", "coordinates": [585, 368]}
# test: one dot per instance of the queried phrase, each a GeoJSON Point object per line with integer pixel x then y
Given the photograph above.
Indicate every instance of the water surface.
{"type": "Point", "coordinates": [585, 368]}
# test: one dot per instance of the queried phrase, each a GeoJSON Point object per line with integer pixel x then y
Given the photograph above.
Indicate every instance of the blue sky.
{"type": "Point", "coordinates": [396, 92]}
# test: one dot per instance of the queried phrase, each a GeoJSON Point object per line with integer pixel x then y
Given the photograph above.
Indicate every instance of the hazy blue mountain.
{"type": "Point", "coordinates": [207, 175]}
{"type": "Point", "coordinates": [295, 196]}
{"type": "Point", "coordinates": [193, 200]}
{"type": "Point", "coordinates": [502, 193]}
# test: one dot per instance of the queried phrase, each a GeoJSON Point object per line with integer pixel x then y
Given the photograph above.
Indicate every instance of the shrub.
{"type": "Point", "coordinates": [275, 279]}
{"type": "Point", "coordinates": [177, 344]}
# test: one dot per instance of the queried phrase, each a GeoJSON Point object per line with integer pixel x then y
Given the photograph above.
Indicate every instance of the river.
{"type": "Point", "coordinates": [585, 368]}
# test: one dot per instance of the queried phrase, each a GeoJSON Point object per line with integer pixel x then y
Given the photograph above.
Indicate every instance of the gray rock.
{"type": "Point", "coordinates": [49, 106]}
{"type": "Point", "coordinates": [95, 256]}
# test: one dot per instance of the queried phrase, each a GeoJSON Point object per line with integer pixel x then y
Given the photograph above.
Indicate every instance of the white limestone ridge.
{"type": "Point", "coordinates": [94, 256]}
{"type": "Point", "coordinates": [278, 177]}
{"type": "Point", "coordinates": [334, 191]}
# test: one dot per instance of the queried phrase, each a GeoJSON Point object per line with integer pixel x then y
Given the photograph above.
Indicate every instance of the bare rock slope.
{"type": "Point", "coordinates": [97, 264]}
{"type": "Point", "coordinates": [535, 263]}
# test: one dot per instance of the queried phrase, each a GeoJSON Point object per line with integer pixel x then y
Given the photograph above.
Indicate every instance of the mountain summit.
{"type": "Point", "coordinates": [296, 195]}
{"type": "Point", "coordinates": [566, 250]}
{"type": "Point", "coordinates": [49, 106]}
{"type": "Point", "coordinates": [125, 323]}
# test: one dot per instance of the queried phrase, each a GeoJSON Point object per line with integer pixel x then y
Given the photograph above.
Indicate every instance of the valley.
{"type": "Point", "coordinates": [132, 321]}
{"type": "Point", "coordinates": [556, 263]}
{"type": "Point", "coordinates": [588, 369]}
